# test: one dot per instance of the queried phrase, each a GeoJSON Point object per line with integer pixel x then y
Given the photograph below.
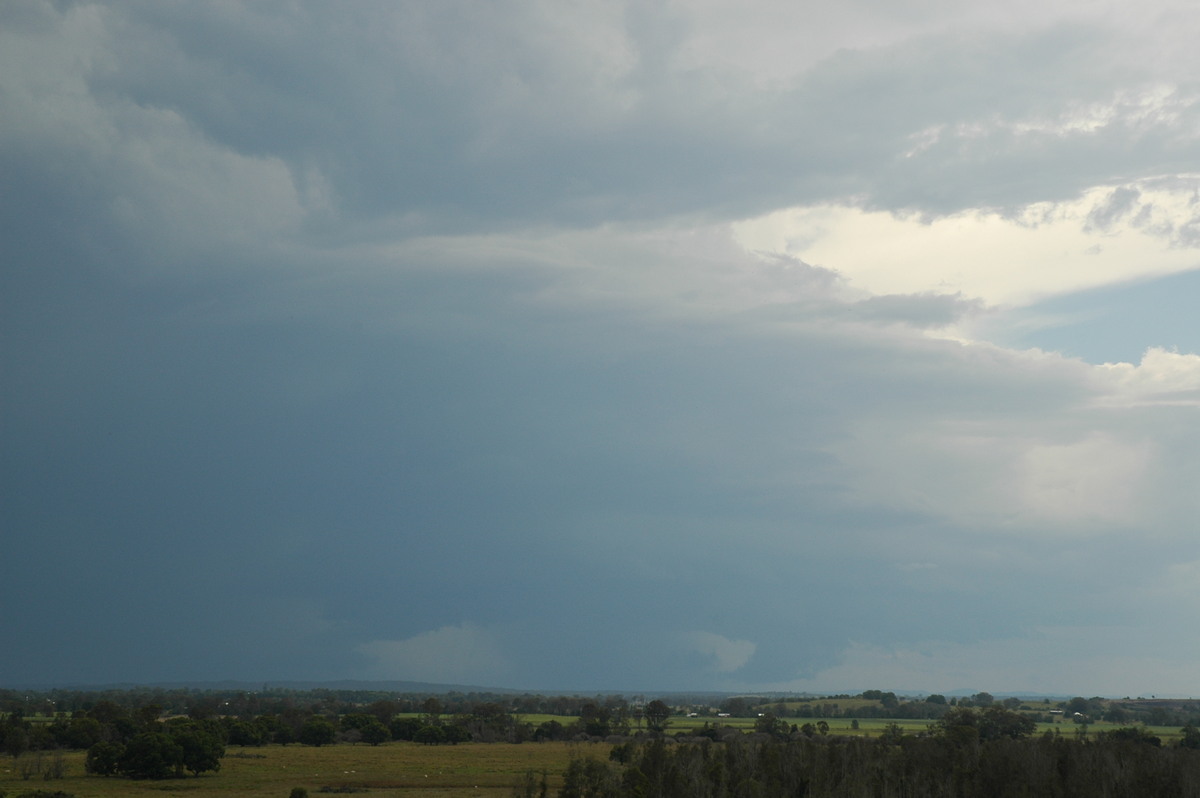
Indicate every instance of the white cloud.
{"type": "Point", "coordinates": [1044, 446]}
{"type": "Point", "coordinates": [461, 654]}
{"type": "Point", "coordinates": [1004, 259]}
{"type": "Point", "coordinates": [727, 655]}
{"type": "Point", "coordinates": [1162, 378]}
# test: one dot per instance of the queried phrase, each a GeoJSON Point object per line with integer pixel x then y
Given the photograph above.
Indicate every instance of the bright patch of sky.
{"type": "Point", "coordinates": [603, 345]}
{"type": "Point", "coordinates": [1109, 235]}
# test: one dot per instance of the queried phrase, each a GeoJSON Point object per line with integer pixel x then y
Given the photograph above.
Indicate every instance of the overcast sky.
{"type": "Point", "coordinates": [603, 346]}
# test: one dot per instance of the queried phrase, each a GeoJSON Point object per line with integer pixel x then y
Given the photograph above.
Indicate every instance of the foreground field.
{"type": "Point", "coordinates": [391, 769]}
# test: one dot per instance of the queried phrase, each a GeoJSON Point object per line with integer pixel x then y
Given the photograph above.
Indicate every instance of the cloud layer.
{"type": "Point", "coordinates": [599, 346]}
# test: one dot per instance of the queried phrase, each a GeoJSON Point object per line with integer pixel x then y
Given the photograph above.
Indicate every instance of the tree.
{"type": "Point", "coordinates": [455, 734]}
{"type": "Point", "coordinates": [736, 706]}
{"type": "Point", "coordinates": [550, 730]}
{"type": "Point", "coordinates": [1079, 705]}
{"type": "Point", "coordinates": [431, 712]}
{"type": "Point", "coordinates": [996, 722]}
{"type": "Point", "coordinates": [107, 712]}
{"type": "Point", "coordinates": [384, 710]}
{"type": "Point", "coordinates": [83, 733]}
{"type": "Point", "coordinates": [103, 759]}
{"type": "Point", "coordinates": [983, 699]}
{"type": "Point", "coordinates": [148, 715]}
{"type": "Point", "coordinates": [355, 721]}
{"type": "Point", "coordinates": [317, 731]}
{"type": "Point", "coordinates": [242, 733]}
{"type": "Point", "coordinates": [658, 716]}
{"type": "Point", "coordinates": [1133, 734]}
{"type": "Point", "coordinates": [1191, 737]}
{"type": "Point", "coordinates": [594, 719]}
{"type": "Point", "coordinates": [590, 778]}
{"type": "Point", "coordinates": [490, 722]}
{"type": "Point", "coordinates": [151, 755]}
{"type": "Point", "coordinates": [430, 735]}
{"type": "Point", "coordinates": [963, 724]}
{"type": "Point", "coordinates": [404, 728]}
{"type": "Point", "coordinates": [202, 745]}
{"type": "Point", "coordinates": [16, 740]}
{"type": "Point", "coordinates": [375, 732]}
{"type": "Point", "coordinates": [778, 728]}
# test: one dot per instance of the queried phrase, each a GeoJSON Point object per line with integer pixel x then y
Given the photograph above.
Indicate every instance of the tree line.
{"type": "Point", "coordinates": [621, 709]}
{"type": "Point", "coordinates": [276, 701]}
{"type": "Point", "coordinates": [141, 741]}
{"type": "Point", "coordinates": [125, 734]}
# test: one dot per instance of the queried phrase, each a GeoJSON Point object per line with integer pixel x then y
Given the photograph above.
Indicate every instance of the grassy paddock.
{"type": "Point", "coordinates": [391, 769]}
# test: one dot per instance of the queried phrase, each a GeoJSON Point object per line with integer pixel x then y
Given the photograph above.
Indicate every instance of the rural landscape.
{"type": "Point", "coordinates": [298, 743]}
{"type": "Point", "coordinates": [599, 399]}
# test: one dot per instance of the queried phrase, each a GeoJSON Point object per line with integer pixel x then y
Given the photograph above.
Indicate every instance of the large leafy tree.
{"type": "Point", "coordinates": [404, 728]}
{"type": "Point", "coordinates": [164, 751]}
{"type": "Point", "coordinates": [104, 759]}
{"type": "Point", "coordinates": [202, 745]}
{"type": "Point", "coordinates": [151, 755]}
{"type": "Point", "coordinates": [375, 732]}
{"type": "Point", "coordinates": [658, 716]}
{"type": "Point", "coordinates": [317, 731]}
{"type": "Point", "coordinates": [430, 735]}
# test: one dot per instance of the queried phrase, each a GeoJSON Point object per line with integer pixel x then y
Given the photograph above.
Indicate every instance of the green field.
{"type": "Point", "coordinates": [391, 769]}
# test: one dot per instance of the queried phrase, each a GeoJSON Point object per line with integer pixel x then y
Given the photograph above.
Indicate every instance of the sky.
{"type": "Point", "coordinates": [631, 346]}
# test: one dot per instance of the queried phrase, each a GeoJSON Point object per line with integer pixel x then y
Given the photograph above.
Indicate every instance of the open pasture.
{"type": "Point", "coordinates": [392, 769]}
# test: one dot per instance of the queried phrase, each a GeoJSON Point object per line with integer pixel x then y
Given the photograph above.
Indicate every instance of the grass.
{"type": "Point", "coordinates": [392, 769]}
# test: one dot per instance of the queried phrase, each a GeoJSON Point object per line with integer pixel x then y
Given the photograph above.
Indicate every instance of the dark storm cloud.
{"type": "Point", "coordinates": [453, 116]}
{"type": "Point", "coordinates": [350, 339]}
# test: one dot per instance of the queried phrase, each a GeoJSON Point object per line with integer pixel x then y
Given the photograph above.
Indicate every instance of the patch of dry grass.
{"type": "Point", "coordinates": [392, 769]}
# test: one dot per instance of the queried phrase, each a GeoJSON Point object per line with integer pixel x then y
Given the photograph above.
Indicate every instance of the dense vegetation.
{"type": "Point", "coordinates": [956, 762]}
